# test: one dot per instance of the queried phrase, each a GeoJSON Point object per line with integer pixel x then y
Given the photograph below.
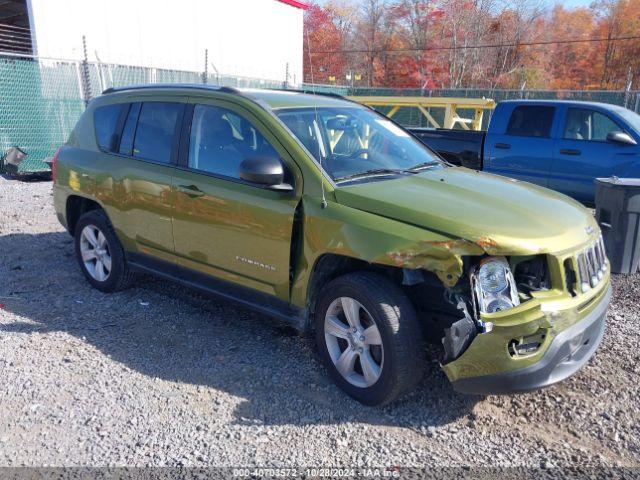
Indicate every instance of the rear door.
{"type": "Point", "coordinates": [522, 147]}
{"type": "Point", "coordinates": [223, 226]}
{"type": "Point", "coordinates": [138, 180]}
{"type": "Point", "coordinates": [583, 152]}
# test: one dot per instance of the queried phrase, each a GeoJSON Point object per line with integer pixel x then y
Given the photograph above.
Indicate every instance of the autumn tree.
{"type": "Point", "coordinates": [322, 35]}
{"type": "Point", "coordinates": [618, 61]}
{"type": "Point", "coordinates": [475, 43]}
{"type": "Point", "coordinates": [569, 64]}
{"type": "Point", "coordinates": [372, 38]}
{"type": "Point", "coordinates": [344, 14]}
{"type": "Point", "coordinates": [418, 21]}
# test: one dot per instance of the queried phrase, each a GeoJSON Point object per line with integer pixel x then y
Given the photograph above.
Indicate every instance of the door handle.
{"type": "Point", "coordinates": [570, 151]}
{"type": "Point", "coordinates": [190, 190]}
{"type": "Point", "coordinates": [503, 146]}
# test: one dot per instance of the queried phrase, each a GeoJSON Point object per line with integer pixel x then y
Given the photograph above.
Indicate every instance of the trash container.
{"type": "Point", "coordinates": [618, 214]}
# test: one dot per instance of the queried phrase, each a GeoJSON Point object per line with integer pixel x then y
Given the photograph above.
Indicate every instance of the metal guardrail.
{"type": "Point", "coordinates": [452, 109]}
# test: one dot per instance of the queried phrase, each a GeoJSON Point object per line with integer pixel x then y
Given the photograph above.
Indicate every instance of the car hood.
{"type": "Point", "coordinates": [509, 216]}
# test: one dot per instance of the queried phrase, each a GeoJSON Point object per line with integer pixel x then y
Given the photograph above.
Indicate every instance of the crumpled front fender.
{"type": "Point", "coordinates": [353, 233]}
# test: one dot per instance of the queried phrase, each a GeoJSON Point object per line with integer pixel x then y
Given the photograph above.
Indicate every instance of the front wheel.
{"type": "Point", "coordinates": [369, 338]}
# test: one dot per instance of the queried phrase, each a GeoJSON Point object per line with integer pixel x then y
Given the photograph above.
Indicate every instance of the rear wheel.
{"type": "Point", "coordinates": [100, 254]}
{"type": "Point", "coordinates": [369, 337]}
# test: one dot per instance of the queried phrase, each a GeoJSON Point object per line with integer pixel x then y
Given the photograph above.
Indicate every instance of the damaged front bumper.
{"type": "Point", "coordinates": [568, 335]}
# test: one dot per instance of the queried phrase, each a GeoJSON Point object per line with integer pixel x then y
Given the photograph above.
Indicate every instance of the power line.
{"type": "Point", "coordinates": [493, 45]}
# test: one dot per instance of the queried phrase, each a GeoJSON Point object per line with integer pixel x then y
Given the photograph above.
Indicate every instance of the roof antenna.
{"type": "Point", "coordinates": [323, 204]}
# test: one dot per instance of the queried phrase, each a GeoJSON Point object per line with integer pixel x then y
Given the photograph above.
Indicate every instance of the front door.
{"type": "Point", "coordinates": [584, 154]}
{"type": "Point", "coordinates": [223, 226]}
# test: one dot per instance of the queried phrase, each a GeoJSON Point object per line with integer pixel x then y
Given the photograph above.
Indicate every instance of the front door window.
{"type": "Point", "coordinates": [220, 140]}
{"type": "Point", "coordinates": [586, 124]}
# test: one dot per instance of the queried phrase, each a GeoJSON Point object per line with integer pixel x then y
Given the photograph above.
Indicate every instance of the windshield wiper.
{"type": "Point", "coordinates": [370, 173]}
{"type": "Point", "coordinates": [422, 166]}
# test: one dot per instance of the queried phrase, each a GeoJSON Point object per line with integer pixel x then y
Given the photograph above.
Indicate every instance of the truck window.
{"type": "Point", "coordinates": [220, 140]}
{"type": "Point", "coordinates": [155, 131]}
{"type": "Point", "coordinates": [105, 121]}
{"type": "Point", "coordinates": [531, 121]}
{"type": "Point", "coordinates": [586, 124]}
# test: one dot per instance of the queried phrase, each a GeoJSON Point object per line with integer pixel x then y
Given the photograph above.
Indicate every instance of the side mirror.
{"type": "Point", "coordinates": [265, 171]}
{"type": "Point", "coordinates": [621, 137]}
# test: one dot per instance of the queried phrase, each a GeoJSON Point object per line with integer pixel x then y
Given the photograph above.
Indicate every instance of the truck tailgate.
{"type": "Point", "coordinates": [458, 147]}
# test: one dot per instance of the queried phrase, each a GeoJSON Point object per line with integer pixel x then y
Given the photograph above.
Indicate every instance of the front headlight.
{"type": "Point", "coordinates": [494, 286]}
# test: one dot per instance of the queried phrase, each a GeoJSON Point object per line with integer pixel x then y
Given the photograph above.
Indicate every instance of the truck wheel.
{"type": "Point", "coordinates": [369, 338]}
{"type": "Point", "coordinates": [100, 253]}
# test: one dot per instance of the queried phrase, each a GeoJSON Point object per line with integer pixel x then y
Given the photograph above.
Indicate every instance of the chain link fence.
{"type": "Point", "coordinates": [41, 99]}
{"type": "Point", "coordinates": [626, 98]}
{"type": "Point", "coordinates": [411, 117]}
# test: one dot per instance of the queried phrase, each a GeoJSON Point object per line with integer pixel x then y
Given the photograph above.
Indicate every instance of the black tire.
{"type": "Point", "coordinates": [400, 332]}
{"type": "Point", "coordinates": [119, 277]}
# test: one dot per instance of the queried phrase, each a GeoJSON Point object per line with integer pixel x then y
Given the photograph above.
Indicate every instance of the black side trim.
{"type": "Point", "coordinates": [258, 301]}
{"type": "Point", "coordinates": [134, 109]}
{"type": "Point", "coordinates": [175, 144]}
{"type": "Point", "coordinates": [185, 135]}
{"type": "Point", "coordinates": [122, 118]}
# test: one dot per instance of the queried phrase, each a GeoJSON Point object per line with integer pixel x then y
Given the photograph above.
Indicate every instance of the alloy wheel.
{"type": "Point", "coordinates": [354, 342]}
{"type": "Point", "coordinates": [96, 256]}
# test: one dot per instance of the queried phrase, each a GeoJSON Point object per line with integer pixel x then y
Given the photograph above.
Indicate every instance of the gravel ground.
{"type": "Point", "coordinates": [159, 375]}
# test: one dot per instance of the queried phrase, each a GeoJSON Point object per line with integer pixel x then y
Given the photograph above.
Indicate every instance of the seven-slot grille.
{"type": "Point", "coordinates": [592, 263]}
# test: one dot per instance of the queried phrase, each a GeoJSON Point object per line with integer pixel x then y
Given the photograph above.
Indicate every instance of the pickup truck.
{"type": "Point", "coordinates": [561, 145]}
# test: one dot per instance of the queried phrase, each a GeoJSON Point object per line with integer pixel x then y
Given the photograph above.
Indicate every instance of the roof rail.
{"type": "Point", "coordinates": [326, 94]}
{"type": "Point", "coordinates": [313, 92]}
{"type": "Point", "coordinates": [151, 86]}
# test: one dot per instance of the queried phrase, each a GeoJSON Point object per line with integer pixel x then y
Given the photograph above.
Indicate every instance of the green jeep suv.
{"type": "Point", "coordinates": [329, 216]}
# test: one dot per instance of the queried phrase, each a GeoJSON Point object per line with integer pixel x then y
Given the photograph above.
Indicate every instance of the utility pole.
{"type": "Point", "coordinates": [627, 92]}
{"type": "Point", "coordinates": [86, 84]}
{"type": "Point", "coordinates": [286, 77]}
{"type": "Point", "coordinates": [205, 74]}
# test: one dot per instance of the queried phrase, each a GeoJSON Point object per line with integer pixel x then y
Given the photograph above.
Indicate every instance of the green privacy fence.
{"type": "Point", "coordinates": [41, 99]}
{"type": "Point", "coordinates": [39, 104]}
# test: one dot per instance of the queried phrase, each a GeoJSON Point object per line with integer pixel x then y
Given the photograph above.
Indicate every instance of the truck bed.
{"type": "Point", "coordinates": [458, 147]}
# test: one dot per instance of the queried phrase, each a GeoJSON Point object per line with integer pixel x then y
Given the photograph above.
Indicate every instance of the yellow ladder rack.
{"type": "Point", "coordinates": [424, 104]}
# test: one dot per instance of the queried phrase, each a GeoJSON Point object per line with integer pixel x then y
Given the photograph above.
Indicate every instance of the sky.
{"type": "Point", "coordinates": [566, 3]}
{"type": "Point", "coordinates": [573, 3]}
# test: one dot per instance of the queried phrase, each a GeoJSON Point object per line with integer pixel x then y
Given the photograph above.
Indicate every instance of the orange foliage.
{"type": "Point", "coordinates": [425, 44]}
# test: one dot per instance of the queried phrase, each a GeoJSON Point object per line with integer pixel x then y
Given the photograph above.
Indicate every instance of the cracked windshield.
{"type": "Point", "coordinates": [354, 143]}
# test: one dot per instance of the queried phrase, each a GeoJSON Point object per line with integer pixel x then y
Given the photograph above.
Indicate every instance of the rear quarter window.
{"type": "Point", "coordinates": [105, 121]}
{"type": "Point", "coordinates": [531, 121]}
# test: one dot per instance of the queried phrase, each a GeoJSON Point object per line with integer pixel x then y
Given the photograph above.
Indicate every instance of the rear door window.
{"type": "Point", "coordinates": [156, 131]}
{"type": "Point", "coordinates": [531, 121]}
{"type": "Point", "coordinates": [105, 121]}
